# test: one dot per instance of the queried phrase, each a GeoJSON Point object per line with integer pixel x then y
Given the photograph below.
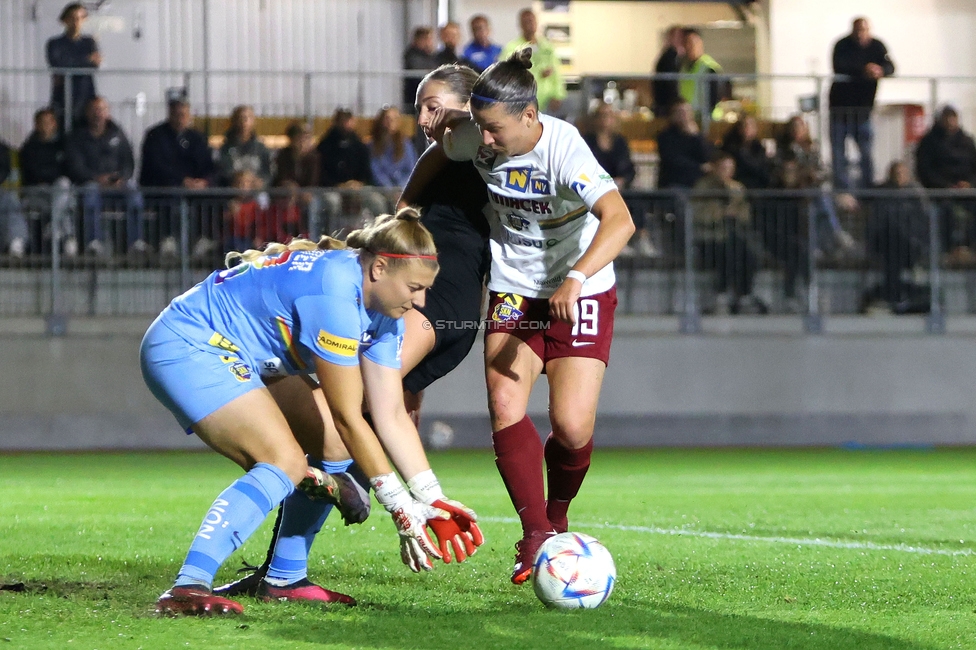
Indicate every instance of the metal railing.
{"type": "Point", "coordinates": [808, 254]}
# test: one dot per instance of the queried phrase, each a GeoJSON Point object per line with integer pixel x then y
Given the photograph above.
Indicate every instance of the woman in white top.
{"type": "Point", "coordinates": [558, 224]}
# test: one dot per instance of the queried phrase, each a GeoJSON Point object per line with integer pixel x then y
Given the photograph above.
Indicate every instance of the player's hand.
{"type": "Point", "coordinates": [562, 304]}
{"type": "Point", "coordinates": [460, 533]}
{"type": "Point", "coordinates": [410, 518]}
{"type": "Point", "coordinates": [443, 119]}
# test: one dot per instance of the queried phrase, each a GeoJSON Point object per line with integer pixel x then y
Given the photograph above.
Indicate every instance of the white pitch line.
{"type": "Point", "coordinates": [796, 541]}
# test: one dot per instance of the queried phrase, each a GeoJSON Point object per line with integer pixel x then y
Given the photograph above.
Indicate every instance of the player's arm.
{"type": "Point", "coordinates": [343, 389]}
{"type": "Point", "coordinates": [430, 163]}
{"type": "Point", "coordinates": [615, 230]}
{"type": "Point", "coordinates": [384, 394]}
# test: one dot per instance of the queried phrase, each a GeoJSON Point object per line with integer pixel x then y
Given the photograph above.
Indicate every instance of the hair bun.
{"type": "Point", "coordinates": [407, 214]}
{"type": "Point", "coordinates": [523, 57]}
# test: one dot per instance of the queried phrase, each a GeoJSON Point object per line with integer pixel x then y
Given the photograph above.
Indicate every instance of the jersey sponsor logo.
{"type": "Point", "coordinates": [580, 184]}
{"type": "Point", "coordinates": [517, 221]}
{"type": "Point", "coordinates": [367, 338]}
{"type": "Point", "coordinates": [508, 308]}
{"type": "Point", "coordinates": [485, 157]}
{"type": "Point", "coordinates": [518, 179]}
{"type": "Point", "coordinates": [540, 186]}
{"type": "Point", "coordinates": [521, 240]}
{"type": "Point", "coordinates": [241, 371]}
{"type": "Point", "coordinates": [606, 177]}
{"type": "Point", "coordinates": [525, 205]}
{"type": "Point", "coordinates": [220, 341]}
{"type": "Point", "coordinates": [337, 344]}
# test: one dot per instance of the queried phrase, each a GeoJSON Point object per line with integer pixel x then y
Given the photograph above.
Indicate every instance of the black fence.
{"type": "Point", "coordinates": [68, 251]}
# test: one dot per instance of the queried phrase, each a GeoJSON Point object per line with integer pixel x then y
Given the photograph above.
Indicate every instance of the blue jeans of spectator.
{"type": "Point", "coordinates": [854, 123]}
{"type": "Point", "coordinates": [92, 203]}
{"type": "Point", "coordinates": [13, 225]}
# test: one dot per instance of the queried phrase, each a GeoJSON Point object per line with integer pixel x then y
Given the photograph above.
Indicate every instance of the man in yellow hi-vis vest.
{"type": "Point", "coordinates": [551, 88]}
{"type": "Point", "coordinates": [702, 94]}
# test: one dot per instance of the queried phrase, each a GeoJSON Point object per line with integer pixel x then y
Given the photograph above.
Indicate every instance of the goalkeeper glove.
{"type": "Point", "coordinates": [410, 518]}
{"type": "Point", "coordinates": [461, 531]}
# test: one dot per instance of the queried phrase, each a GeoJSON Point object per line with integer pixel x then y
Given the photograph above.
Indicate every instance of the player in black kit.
{"type": "Point", "coordinates": [438, 336]}
{"type": "Point", "coordinates": [441, 334]}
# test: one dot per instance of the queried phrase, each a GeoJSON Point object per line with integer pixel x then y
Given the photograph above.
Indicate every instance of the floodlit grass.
{"type": "Point", "coordinates": [714, 549]}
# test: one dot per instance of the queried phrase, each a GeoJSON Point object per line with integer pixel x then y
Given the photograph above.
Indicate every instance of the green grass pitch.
{"type": "Point", "coordinates": [809, 550]}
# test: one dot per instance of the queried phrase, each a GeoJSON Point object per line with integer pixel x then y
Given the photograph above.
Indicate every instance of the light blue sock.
{"type": "Point", "coordinates": [232, 518]}
{"type": "Point", "coordinates": [301, 520]}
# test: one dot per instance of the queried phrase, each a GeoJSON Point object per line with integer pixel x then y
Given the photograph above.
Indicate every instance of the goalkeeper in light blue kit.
{"type": "Point", "coordinates": [231, 359]}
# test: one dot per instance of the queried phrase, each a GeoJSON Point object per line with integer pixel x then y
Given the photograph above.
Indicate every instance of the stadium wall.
{"type": "Point", "coordinates": [85, 391]}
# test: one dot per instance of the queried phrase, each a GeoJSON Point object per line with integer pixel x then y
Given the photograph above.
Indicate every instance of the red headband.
{"type": "Point", "coordinates": [409, 257]}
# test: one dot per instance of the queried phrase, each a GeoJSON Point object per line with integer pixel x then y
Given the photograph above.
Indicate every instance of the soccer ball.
{"type": "Point", "coordinates": [573, 571]}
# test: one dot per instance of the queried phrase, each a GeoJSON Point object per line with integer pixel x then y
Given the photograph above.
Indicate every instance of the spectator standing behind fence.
{"type": "Point", "coordinates": [13, 226]}
{"type": "Point", "coordinates": [298, 165]}
{"type": "Point", "coordinates": [481, 52]}
{"type": "Point", "coordinates": [175, 155]}
{"type": "Point", "coordinates": [550, 86]}
{"type": "Point", "coordinates": [419, 59]}
{"type": "Point", "coordinates": [99, 158]}
{"type": "Point", "coordinates": [450, 35]}
{"type": "Point", "coordinates": [724, 239]}
{"type": "Point", "coordinates": [684, 153]}
{"type": "Point", "coordinates": [392, 155]}
{"type": "Point", "coordinates": [242, 150]}
{"type": "Point", "coordinates": [703, 94]}
{"type": "Point", "coordinates": [946, 160]}
{"type": "Point", "coordinates": [865, 59]}
{"type": "Point", "coordinates": [45, 189]}
{"type": "Point", "coordinates": [346, 166]}
{"type": "Point", "coordinates": [665, 91]}
{"type": "Point", "coordinates": [72, 50]}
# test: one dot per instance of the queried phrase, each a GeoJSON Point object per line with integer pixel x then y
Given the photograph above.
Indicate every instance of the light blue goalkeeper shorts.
{"type": "Point", "coordinates": [192, 379]}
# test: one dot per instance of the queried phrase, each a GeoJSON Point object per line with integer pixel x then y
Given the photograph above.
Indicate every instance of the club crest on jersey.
{"type": "Point", "coordinates": [540, 186]}
{"type": "Point", "coordinates": [485, 157]}
{"type": "Point", "coordinates": [580, 184]}
{"type": "Point", "coordinates": [518, 179]}
{"type": "Point", "coordinates": [241, 371]}
{"type": "Point", "coordinates": [517, 221]}
{"type": "Point", "coordinates": [340, 345]}
{"type": "Point", "coordinates": [508, 308]}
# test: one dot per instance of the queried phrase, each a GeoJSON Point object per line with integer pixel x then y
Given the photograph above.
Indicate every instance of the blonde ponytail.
{"type": "Point", "coordinates": [400, 238]}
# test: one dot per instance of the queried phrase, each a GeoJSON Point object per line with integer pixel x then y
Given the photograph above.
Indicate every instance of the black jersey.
{"type": "Point", "coordinates": [453, 210]}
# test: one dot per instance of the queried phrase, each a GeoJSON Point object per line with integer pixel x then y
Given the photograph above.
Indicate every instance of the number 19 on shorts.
{"type": "Point", "coordinates": [586, 313]}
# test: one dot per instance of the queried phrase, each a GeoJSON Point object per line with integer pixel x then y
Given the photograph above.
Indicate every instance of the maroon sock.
{"type": "Point", "coordinates": [518, 455]}
{"type": "Point", "coordinates": [565, 471]}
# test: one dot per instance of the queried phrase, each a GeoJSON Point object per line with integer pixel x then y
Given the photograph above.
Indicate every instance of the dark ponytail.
{"type": "Point", "coordinates": [507, 82]}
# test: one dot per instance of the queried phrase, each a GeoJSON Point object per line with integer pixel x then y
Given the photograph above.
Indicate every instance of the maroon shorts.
{"type": "Point", "coordinates": [528, 319]}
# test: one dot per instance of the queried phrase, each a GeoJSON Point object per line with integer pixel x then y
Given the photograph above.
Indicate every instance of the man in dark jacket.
{"type": "Point", "coordinates": [665, 91]}
{"type": "Point", "coordinates": [683, 151]}
{"type": "Point", "coordinates": [72, 50]}
{"type": "Point", "coordinates": [865, 60]}
{"type": "Point", "coordinates": [946, 159]}
{"type": "Point", "coordinates": [419, 57]}
{"type": "Point", "coordinates": [344, 160]}
{"type": "Point", "coordinates": [99, 157]}
{"type": "Point", "coordinates": [46, 191]}
{"type": "Point", "coordinates": [175, 155]}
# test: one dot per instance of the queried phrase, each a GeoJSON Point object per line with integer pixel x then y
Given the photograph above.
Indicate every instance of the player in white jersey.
{"type": "Point", "coordinates": [559, 223]}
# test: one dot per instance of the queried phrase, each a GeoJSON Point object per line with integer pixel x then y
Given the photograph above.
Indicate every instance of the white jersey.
{"type": "Point", "coordinates": [542, 201]}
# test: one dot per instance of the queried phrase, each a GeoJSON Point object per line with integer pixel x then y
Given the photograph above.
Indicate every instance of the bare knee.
{"type": "Point", "coordinates": [293, 464]}
{"type": "Point", "coordinates": [571, 433]}
{"type": "Point", "coordinates": [506, 406]}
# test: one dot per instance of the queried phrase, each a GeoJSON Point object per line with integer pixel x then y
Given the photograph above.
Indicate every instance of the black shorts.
{"type": "Point", "coordinates": [454, 302]}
